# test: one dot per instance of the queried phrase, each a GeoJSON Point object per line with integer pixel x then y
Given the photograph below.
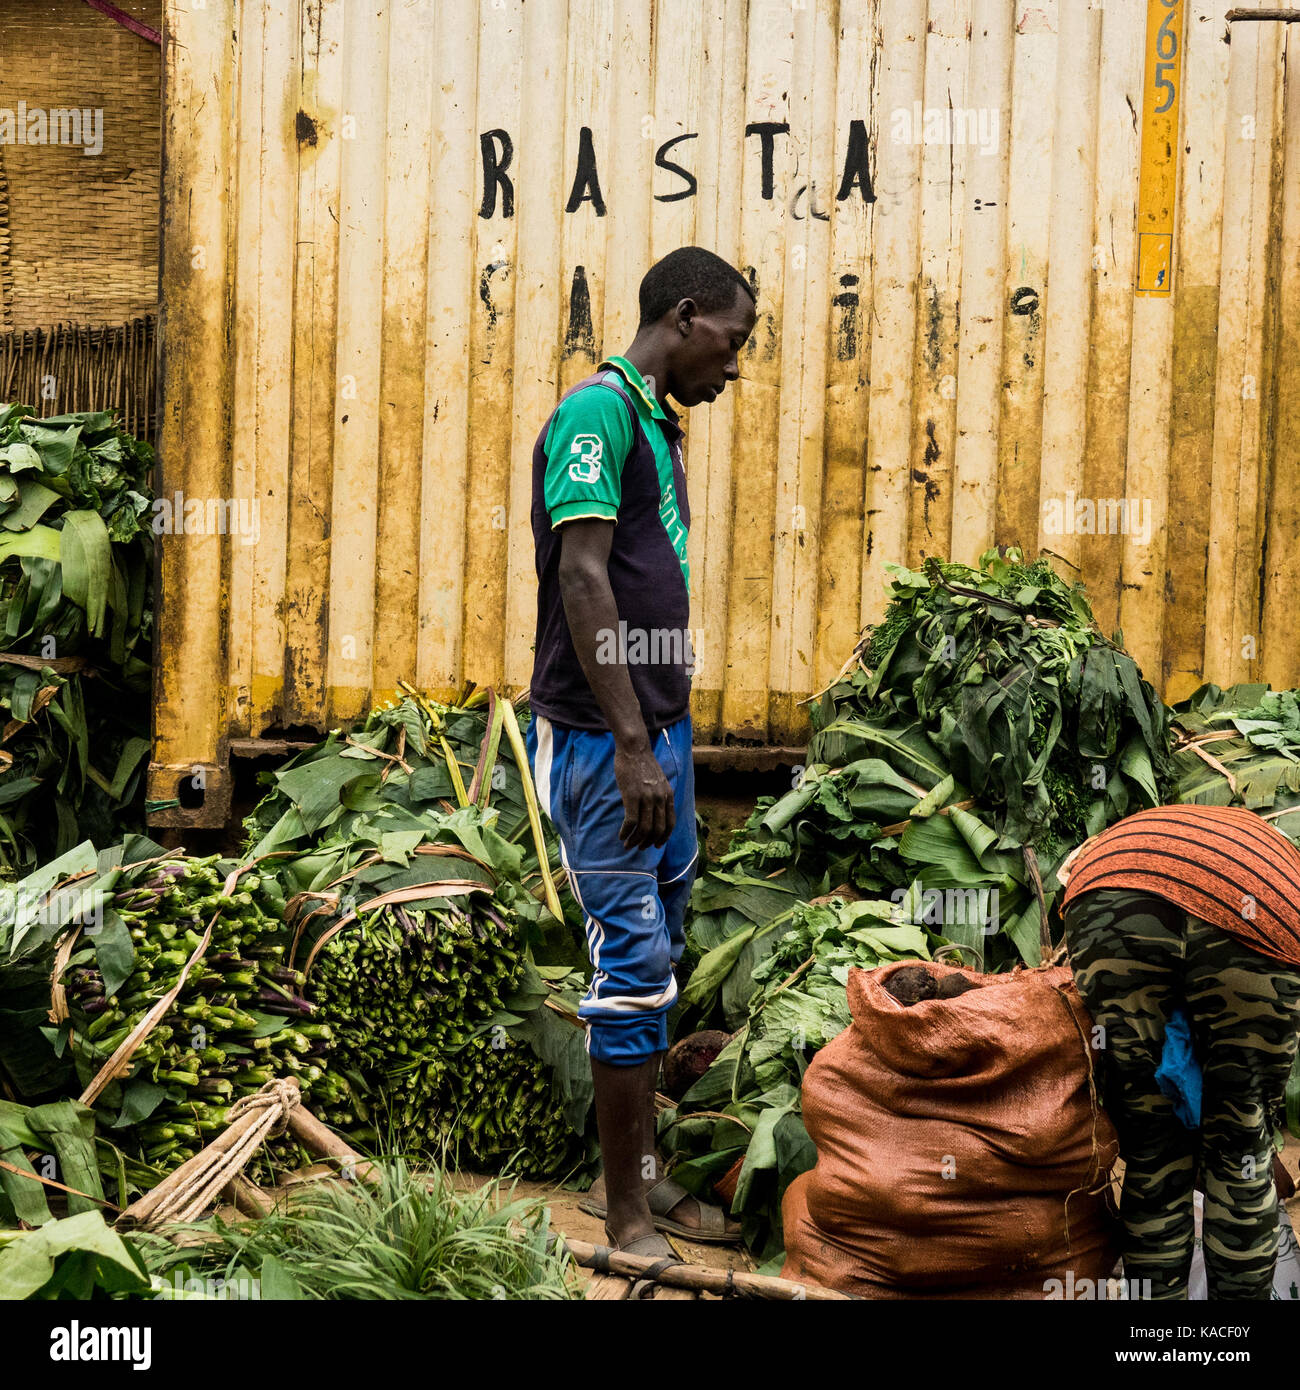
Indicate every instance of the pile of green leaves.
{"type": "Point", "coordinates": [1252, 733]}
{"type": "Point", "coordinates": [409, 760]}
{"type": "Point", "coordinates": [452, 1012]}
{"type": "Point", "coordinates": [986, 730]}
{"type": "Point", "coordinates": [746, 1106]}
{"type": "Point", "coordinates": [410, 1235]}
{"type": "Point", "coordinates": [1033, 711]}
{"type": "Point", "coordinates": [76, 555]}
{"type": "Point", "coordinates": [73, 1256]}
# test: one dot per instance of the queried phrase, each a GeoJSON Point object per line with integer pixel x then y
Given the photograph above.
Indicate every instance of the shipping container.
{"type": "Point", "coordinates": [1026, 273]}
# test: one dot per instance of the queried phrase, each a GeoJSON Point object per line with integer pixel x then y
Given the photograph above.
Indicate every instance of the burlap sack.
{"type": "Point", "coordinates": [960, 1154]}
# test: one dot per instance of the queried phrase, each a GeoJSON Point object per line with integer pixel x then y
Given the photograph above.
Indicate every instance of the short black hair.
{"type": "Point", "coordinates": [690, 272]}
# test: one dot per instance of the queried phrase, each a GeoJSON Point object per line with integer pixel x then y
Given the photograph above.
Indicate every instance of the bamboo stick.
{"type": "Point", "coordinates": [701, 1278]}
{"type": "Point", "coordinates": [323, 1142]}
{"type": "Point", "coordinates": [247, 1196]}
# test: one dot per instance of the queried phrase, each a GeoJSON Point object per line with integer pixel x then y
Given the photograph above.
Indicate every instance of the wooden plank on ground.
{"type": "Point", "coordinates": [607, 1288]}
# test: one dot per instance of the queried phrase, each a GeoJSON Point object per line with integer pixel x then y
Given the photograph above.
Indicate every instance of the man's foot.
{"type": "Point", "coordinates": [650, 1245]}
{"type": "Point", "coordinates": [687, 1217]}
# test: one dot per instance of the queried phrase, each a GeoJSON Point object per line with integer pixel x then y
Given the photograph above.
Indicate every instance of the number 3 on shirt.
{"type": "Point", "coordinates": [587, 467]}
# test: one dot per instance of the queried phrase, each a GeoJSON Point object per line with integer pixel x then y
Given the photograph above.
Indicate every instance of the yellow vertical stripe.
{"type": "Point", "coordinates": [1161, 91]}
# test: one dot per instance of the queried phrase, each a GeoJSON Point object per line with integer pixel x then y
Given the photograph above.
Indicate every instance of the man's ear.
{"type": "Point", "coordinates": [686, 311]}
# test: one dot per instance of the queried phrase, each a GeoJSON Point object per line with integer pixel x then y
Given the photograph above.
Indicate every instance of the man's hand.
{"type": "Point", "coordinates": [648, 814]}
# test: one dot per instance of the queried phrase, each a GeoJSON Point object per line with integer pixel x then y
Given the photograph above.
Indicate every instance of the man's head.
{"type": "Point", "coordinates": [700, 312]}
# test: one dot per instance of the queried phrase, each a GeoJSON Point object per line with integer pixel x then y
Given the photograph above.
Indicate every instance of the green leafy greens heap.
{"type": "Point", "coordinates": [979, 733]}
{"type": "Point", "coordinates": [75, 584]}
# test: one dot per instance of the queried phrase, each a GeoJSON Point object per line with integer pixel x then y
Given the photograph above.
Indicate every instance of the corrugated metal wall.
{"type": "Point", "coordinates": [940, 202]}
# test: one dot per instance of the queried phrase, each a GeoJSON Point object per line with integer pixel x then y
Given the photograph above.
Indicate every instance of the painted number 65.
{"type": "Point", "coordinates": [1166, 52]}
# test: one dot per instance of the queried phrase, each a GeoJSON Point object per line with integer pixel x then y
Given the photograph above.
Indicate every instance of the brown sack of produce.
{"type": "Point", "coordinates": [960, 1154]}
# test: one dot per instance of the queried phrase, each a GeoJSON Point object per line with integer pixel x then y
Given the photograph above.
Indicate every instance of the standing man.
{"type": "Point", "coordinates": [1192, 907]}
{"type": "Point", "coordinates": [610, 738]}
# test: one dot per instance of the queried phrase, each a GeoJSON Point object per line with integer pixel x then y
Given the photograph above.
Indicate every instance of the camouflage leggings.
{"type": "Point", "coordinates": [1136, 958]}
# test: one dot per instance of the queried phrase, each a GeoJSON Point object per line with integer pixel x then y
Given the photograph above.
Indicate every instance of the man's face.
{"type": "Point", "coordinates": [705, 356]}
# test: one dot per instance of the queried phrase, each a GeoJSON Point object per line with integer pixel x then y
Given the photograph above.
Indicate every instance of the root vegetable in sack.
{"type": "Point", "coordinates": [960, 1149]}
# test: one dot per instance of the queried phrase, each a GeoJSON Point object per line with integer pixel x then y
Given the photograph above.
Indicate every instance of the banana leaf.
{"type": "Point", "coordinates": [77, 1257]}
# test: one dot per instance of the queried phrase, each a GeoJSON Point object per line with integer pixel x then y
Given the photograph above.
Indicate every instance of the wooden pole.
{"type": "Point", "coordinates": [247, 1197]}
{"type": "Point", "coordinates": [700, 1278]}
{"type": "Point", "coordinates": [324, 1143]}
{"type": "Point", "coordinates": [1286, 16]}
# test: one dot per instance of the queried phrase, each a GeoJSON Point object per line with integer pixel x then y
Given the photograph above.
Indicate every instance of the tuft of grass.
{"type": "Point", "coordinates": [407, 1236]}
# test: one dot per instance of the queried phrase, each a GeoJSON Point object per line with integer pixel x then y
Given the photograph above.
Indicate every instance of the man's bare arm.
{"type": "Point", "coordinates": [590, 609]}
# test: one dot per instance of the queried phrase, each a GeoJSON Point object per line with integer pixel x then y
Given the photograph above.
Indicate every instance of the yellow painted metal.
{"type": "Point", "coordinates": [395, 232]}
{"type": "Point", "coordinates": [1161, 87]}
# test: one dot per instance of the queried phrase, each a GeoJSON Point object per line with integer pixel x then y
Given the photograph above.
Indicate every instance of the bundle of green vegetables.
{"type": "Point", "coordinates": [413, 856]}
{"type": "Point", "coordinates": [745, 1109]}
{"type": "Point", "coordinates": [980, 731]}
{"type": "Point", "coordinates": [1240, 747]}
{"type": "Point", "coordinates": [76, 556]}
{"type": "Point", "coordinates": [129, 922]}
{"type": "Point", "coordinates": [445, 1038]}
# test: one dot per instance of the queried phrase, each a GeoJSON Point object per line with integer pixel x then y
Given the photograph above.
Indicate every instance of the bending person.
{"type": "Point", "coordinates": [1195, 907]}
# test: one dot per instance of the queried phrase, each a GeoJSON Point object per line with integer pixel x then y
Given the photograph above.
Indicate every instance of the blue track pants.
{"type": "Point", "coordinates": [633, 901]}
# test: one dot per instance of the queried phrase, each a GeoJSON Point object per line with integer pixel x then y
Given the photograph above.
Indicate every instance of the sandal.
{"type": "Point", "coordinates": [648, 1247]}
{"type": "Point", "coordinates": [662, 1198]}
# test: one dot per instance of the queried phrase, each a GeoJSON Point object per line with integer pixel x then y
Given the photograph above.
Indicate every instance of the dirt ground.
{"type": "Point", "coordinates": [568, 1220]}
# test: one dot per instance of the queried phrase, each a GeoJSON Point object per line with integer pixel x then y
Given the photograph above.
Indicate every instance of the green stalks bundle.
{"type": "Point", "coordinates": [1050, 725]}
{"type": "Point", "coordinates": [238, 1021]}
{"type": "Point", "coordinates": [446, 1005]}
{"type": "Point", "coordinates": [419, 1003]}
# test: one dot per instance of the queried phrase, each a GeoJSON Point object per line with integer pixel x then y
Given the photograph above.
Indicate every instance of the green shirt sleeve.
{"type": "Point", "coordinates": [588, 443]}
